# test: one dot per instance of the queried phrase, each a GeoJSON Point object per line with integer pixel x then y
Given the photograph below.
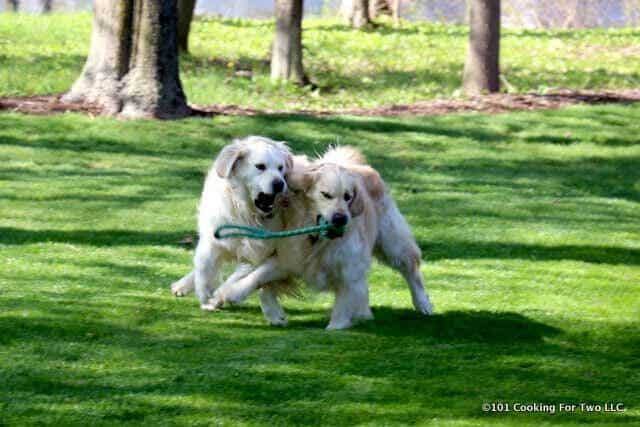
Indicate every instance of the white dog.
{"type": "Point", "coordinates": [241, 188]}
{"type": "Point", "coordinates": [342, 189]}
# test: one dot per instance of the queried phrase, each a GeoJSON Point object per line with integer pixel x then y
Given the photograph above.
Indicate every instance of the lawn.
{"type": "Point", "coordinates": [528, 224]}
{"type": "Point", "coordinates": [43, 55]}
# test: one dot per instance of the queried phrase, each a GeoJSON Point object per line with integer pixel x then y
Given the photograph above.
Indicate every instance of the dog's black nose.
{"type": "Point", "coordinates": [339, 219]}
{"type": "Point", "coordinates": [278, 185]}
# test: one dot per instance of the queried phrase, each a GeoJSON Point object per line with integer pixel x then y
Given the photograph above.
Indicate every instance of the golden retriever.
{"type": "Point", "coordinates": [242, 187]}
{"type": "Point", "coordinates": [342, 189]}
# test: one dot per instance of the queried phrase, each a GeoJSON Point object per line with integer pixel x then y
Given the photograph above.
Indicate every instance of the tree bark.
{"type": "Point", "coordinates": [379, 7]}
{"type": "Point", "coordinates": [482, 68]}
{"type": "Point", "coordinates": [185, 16]}
{"type": "Point", "coordinates": [357, 12]}
{"type": "Point", "coordinates": [286, 53]}
{"type": "Point", "coordinates": [15, 5]}
{"type": "Point", "coordinates": [46, 6]}
{"type": "Point", "coordinates": [132, 67]}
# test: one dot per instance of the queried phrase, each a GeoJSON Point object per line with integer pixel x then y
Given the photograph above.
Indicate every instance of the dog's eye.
{"type": "Point", "coordinates": [326, 195]}
{"type": "Point", "coordinates": [280, 168]}
{"type": "Point", "coordinates": [261, 166]}
{"type": "Point", "coordinates": [347, 197]}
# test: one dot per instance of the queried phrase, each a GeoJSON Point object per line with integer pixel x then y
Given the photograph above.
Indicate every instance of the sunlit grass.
{"type": "Point", "coordinates": [44, 54]}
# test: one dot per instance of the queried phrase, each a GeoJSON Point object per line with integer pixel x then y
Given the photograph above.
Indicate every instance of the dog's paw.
{"type": "Point", "coordinates": [363, 315]}
{"type": "Point", "coordinates": [272, 310]}
{"type": "Point", "coordinates": [277, 320]}
{"type": "Point", "coordinates": [179, 290]}
{"type": "Point", "coordinates": [423, 305]}
{"type": "Point", "coordinates": [209, 307]}
{"type": "Point", "coordinates": [339, 325]}
{"type": "Point", "coordinates": [214, 303]}
{"type": "Point", "coordinates": [275, 316]}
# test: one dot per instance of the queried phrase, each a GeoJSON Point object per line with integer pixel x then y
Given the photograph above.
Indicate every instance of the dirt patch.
{"type": "Point", "coordinates": [42, 105]}
{"type": "Point", "coordinates": [495, 103]}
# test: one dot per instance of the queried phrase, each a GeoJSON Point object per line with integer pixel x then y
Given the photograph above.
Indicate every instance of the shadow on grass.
{"type": "Point", "coordinates": [614, 177]}
{"type": "Point", "coordinates": [504, 250]}
{"type": "Point", "coordinates": [448, 327]}
{"type": "Point", "coordinates": [399, 367]}
{"type": "Point", "coordinates": [99, 238]}
{"type": "Point", "coordinates": [433, 250]}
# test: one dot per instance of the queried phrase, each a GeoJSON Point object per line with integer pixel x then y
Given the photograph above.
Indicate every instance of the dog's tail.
{"type": "Point", "coordinates": [344, 155]}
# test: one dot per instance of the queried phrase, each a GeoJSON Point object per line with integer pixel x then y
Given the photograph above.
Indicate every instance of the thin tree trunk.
{"type": "Point", "coordinates": [396, 13]}
{"type": "Point", "coordinates": [15, 5]}
{"type": "Point", "coordinates": [46, 6]}
{"type": "Point", "coordinates": [379, 7]}
{"type": "Point", "coordinates": [286, 54]}
{"type": "Point", "coordinates": [357, 13]}
{"type": "Point", "coordinates": [185, 16]}
{"type": "Point", "coordinates": [132, 67]}
{"type": "Point", "coordinates": [482, 68]}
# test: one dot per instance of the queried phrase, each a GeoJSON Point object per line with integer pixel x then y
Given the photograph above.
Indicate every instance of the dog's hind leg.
{"type": "Point", "coordinates": [184, 286]}
{"type": "Point", "coordinates": [396, 247]}
{"type": "Point", "coordinates": [409, 267]}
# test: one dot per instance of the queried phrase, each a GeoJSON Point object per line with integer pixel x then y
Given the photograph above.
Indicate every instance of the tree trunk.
{"type": "Point", "coordinates": [132, 67]}
{"type": "Point", "coordinates": [15, 5]}
{"type": "Point", "coordinates": [46, 6]}
{"type": "Point", "coordinates": [379, 7]}
{"type": "Point", "coordinates": [286, 53]}
{"type": "Point", "coordinates": [357, 12]}
{"type": "Point", "coordinates": [482, 68]}
{"type": "Point", "coordinates": [185, 15]}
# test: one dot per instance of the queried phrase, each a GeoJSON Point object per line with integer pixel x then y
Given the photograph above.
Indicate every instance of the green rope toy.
{"type": "Point", "coordinates": [324, 228]}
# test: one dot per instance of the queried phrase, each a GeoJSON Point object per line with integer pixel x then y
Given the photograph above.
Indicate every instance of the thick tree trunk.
{"type": "Point", "coordinates": [357, 12]}
{"type": "Point", "coordinates": [132, 67]}
{"type": "Point", "coordinates": [185, 15]}
{"type": "Point", "coordinates": [15, 5]}
{"type": "Point", "coordinates": [46, 6]}
{"type": "Point", "coordinates": [286, 52]}
{"type": "Point", "coordinates": [482, 68]}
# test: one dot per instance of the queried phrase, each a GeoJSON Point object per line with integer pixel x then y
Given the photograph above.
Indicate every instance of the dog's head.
{"type": "Point", "coordinates": [259, 166]}
{"type": "Point", "coordinates": [334, 193]}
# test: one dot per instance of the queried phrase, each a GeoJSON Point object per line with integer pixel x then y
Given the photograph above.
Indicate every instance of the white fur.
{"type": "Point", "coordinates": [230, 190]}
{"type": "Point", "coordinates": [339, 265]}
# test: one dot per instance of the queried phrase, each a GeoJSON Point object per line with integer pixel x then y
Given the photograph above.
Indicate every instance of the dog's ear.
{"type": "Point", "coordinates": [372, 182]}
{"type": "Point", "coordinates": [356, 207]}
{"type": "Point", "coordinates": [301, 178]}
{"type": "Point", "coordinates": [228, 157]}
{"type": "Point", "coordinates": [288, 163]}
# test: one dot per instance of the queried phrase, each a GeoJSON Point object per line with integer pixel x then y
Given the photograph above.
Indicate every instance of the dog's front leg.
{"type": "Point", "coordinates": [271, 308]}
{"type": "Point", "coordinates": [351, 304]}
{"type": "Point", "coordinates": [183, 286]}
{"type": "Point", "coordinates": [207, 263]}
{"type": "Point", "coordinates": [235, 293]}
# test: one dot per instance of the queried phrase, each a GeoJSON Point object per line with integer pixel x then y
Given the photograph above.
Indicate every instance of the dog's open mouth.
{"type": "Point", "coordinates": [265, 202]}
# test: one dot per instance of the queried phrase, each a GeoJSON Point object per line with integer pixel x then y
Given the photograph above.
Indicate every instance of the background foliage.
{"type": "Point", "coordinates": [229, 63]}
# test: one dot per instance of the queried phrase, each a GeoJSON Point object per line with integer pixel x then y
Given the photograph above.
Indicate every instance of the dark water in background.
{"type": "Point", "coordinates": [516, 13]}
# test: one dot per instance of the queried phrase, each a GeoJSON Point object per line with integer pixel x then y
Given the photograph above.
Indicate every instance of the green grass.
{"type": "Point", "coordinates": [528, 224]}
{"type": "Point", "coordinates": [43, 55]}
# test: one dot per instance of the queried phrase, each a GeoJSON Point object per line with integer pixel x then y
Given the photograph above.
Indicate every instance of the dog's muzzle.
{"type": "Point", "coordinates": [337, 229]}
{"type": "Point", "coordinates": [265, 202]}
